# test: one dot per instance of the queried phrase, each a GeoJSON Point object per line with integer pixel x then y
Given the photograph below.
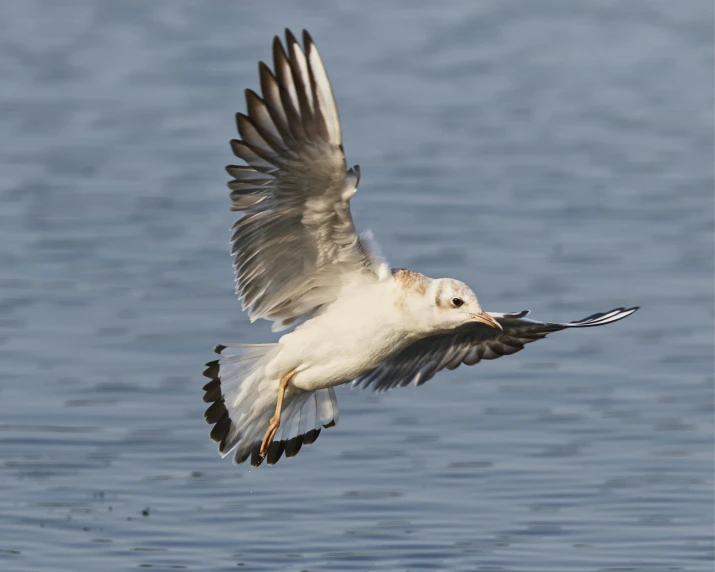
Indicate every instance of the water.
{"type": "Point", "coordinates": [556, 155]}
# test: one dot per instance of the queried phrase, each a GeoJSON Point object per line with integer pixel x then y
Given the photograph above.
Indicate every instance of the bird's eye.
{"type": "Point", "coordinates": [457, 302]}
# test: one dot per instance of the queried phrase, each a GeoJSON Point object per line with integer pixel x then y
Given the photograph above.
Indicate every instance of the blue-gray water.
{"type": "Point", "coordinates": [556, 155]}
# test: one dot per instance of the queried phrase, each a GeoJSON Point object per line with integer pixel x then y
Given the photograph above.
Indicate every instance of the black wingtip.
{"type": "Point", "coordinates": [603, 318]}
{"type": "Point", "coordinates": [277, 47]}
{"type": "Point", "coordinates": [263, 68]}
{"type": "Point", "coordinates": [307, 39]}
{"type": "Point", "coordinates": [241, 118]}
{"type": "Point", "coordinates": [290, 38]}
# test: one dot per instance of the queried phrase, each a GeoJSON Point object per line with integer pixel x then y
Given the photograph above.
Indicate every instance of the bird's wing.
{"type": "Point", "coordinates": [295, 245]}
{"type": "Point", "coordinates": [468, 345]}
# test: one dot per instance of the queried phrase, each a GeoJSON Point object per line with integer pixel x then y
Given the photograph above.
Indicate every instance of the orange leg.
{"type": "Point", "coordinates": [275, 422]}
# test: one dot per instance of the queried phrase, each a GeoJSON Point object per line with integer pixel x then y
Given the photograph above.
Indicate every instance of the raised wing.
{"type": "Point", "coordinates": [468, 345]}
{"type": "Point", "coordinates": [296, 244]}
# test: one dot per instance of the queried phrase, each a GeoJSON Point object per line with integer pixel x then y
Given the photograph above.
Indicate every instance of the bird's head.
{"type": "Point", "coordinates": [454, 304]}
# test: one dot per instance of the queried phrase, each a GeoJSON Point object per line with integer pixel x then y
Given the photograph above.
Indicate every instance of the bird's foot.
{"type": "Point", "coordinates": [273, 426]}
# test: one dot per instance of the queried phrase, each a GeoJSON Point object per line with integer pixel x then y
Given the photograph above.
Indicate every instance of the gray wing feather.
{"type": "Point", "coordinates": [419, 362]}
{"type": "Point", "coordinates": [296, 243]}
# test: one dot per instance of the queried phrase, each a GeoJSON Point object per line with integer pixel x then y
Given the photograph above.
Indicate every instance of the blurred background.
{"type": "Point", "coordinates": [556, 155]}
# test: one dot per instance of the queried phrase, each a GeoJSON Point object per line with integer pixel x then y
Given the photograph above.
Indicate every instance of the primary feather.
{"type": "Point", "coordinates": [468, 345]}
{"type": "Point", "coordinates": [296, 243]}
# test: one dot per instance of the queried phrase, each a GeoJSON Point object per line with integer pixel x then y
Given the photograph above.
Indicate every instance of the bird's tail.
{"type": "Point", "coordinates": [243, 400]}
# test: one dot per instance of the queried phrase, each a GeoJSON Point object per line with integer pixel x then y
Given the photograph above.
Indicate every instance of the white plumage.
{"type": "Point", "coordinates": [300, 263]}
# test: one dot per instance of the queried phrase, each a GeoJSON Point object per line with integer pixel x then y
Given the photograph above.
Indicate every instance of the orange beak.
{"type": "Point", "coordinates": [485, 318]}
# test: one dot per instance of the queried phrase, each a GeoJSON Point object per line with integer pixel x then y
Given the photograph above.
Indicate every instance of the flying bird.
{"type": "Point", "coordinates": [300, 263]}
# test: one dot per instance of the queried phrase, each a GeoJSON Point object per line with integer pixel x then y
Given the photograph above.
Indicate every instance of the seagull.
{"type": "Point", "coordinates": [300, 263]}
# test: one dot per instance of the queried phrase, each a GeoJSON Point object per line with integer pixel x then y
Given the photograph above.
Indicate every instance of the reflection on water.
{"type": "Point", "coordinates": [555, 155]}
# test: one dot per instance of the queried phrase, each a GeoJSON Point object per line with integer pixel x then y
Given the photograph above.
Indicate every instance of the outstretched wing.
{"type": "Point", "coordinates": [468, 345]}
{"type": "Point", "coordinates": [296, 244]}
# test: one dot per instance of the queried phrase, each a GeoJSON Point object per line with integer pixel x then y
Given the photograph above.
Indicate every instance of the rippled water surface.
{"type": "Point", "coordinates": [556, 155]}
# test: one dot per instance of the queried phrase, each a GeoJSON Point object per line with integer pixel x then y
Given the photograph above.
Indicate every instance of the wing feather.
{"type": "Point", "coordinates": [296, 245]}
{"type": "Point", "coordinates": [419, 362]}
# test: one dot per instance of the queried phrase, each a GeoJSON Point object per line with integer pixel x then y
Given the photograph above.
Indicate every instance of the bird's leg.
{"type": "Point", "coordinates": [275, 422]}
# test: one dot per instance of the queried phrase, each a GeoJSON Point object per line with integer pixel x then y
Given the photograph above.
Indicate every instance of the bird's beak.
{"type": "Point", "coordinates": [485, 318]}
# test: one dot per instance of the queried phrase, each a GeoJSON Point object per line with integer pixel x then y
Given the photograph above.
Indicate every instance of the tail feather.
{"type": "Point", "coordinates": [233, 389]}
{"type": "Point", "coordinates": [307, 416]}
{"type": "Point", "coordinates": [302, 422]}
{"type": "Point", "coordinates": [243, 401]}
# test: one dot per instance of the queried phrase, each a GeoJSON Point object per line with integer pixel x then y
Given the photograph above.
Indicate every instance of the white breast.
{"type": "Point", "coordinates": [355, 334]}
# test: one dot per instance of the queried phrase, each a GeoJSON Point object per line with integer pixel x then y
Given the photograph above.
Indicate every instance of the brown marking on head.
{"type": "Point", "coordinates": [438, 295]}
{"type": "Point", "coordinates": [411, 281]}
{"type": "Point", "coordinates": [447, 289]}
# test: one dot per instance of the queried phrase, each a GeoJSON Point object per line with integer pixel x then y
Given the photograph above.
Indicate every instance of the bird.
{"type": "Point", "coordinates": [347, 316]}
